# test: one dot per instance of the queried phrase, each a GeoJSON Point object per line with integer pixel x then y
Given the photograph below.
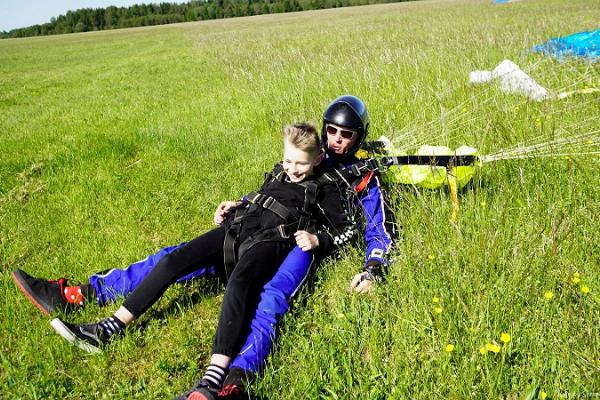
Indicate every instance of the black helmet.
{"type": "Point", "coordinates": [350, 112]}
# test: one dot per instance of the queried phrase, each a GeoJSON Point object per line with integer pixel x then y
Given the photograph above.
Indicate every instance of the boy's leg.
{"type": "Point", "coordinates": [253, 270]}
{"type": "Point", "coordinates": [205, 249]}
{"type": "Point", "coordinates": [255, 267]}
{"type": "Point", "coordinates": [115, 283]}
{"type": "Point", "coordinates": [274, 303]}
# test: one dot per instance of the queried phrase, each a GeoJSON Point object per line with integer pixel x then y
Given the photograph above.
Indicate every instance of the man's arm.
{"type": "Point", "coordinates": [380, 235]}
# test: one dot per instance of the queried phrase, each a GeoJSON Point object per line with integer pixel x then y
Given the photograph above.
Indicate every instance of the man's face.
{"type": "Point", "coordinates": [298, 164]}
{"type": "Point", "coordinates": [340, 139]}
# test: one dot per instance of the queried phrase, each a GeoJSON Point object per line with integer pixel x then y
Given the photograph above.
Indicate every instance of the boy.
{"type": "Point", "coordinates": [254, 237]}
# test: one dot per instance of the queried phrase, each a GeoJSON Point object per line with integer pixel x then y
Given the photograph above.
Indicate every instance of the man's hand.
{"type": "Point", "coordinates": [306, 241]}
{"type": "Point", "coordinates": [362, 283]}
{"type": "Point", "coordinates": [223, 210]}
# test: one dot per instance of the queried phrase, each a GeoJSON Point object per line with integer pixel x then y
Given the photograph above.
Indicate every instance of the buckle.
{"type": "Point", "coordinates": [268, 201]}
{"type": "Point", "coordinates": [355, 170]}
{"type": "Point", "coordinates": [372, 164]}
{"type": "Point", "coordinates": [282, 232]}
{"type": "Point", "coordinates": [254, 198]}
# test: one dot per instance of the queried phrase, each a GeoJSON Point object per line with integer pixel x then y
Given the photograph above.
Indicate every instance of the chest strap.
{"type": "Point", "coordinates": [271, 204]}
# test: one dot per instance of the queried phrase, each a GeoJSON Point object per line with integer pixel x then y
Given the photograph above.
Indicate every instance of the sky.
{"type": "Point", "coordinates": [22, 13]}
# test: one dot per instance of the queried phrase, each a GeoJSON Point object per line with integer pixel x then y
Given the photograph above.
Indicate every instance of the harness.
{"type": "Point", "coordinates": [293, 219]}
{"type": "Point", "coordinates": [355, 178]}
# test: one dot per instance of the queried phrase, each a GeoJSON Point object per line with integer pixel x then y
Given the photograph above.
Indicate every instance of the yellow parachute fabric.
{"type": "Point", "coordinates": [432, 177]}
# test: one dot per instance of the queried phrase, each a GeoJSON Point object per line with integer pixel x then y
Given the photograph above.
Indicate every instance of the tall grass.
{"type": "Point", "coordinates": [114, 144]}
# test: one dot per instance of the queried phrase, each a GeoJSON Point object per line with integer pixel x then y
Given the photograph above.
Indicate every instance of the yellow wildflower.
{"type": "Point", "coordinates": [548, 295]}
{"type": "Point", "coordinates": [472, 329]}
{"type": "Point", "coordinates": [431, 257]}
{"type": "Point", "coordinates": [584, 289]}
{"type": "Point", "coordinates": [543, 395]}
{"type": "Point", "coordinates": [483, 350]}
{"type": "Point", "coordinates": [483, 204]}
{"type": "Point", "coordinates": [437, 310]}
{"type": "Point", "coordinates": [505, 337]}
{"type": "Point", "coordinates": [449, 348]}
{"type": "Point", "coordinates": [435, 299]}
{"type": "Point", "coordinates": [493, 347]}
{"type": "Point", "coordinates": [576, 278]}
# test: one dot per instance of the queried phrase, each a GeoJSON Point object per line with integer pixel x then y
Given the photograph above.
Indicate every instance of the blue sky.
{"type": "Point", "coordinates": [22, 13]}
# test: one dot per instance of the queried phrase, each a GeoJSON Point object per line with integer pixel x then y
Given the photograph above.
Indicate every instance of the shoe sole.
{"type": "Point", "coordinates": [68, 335]}
{"type": "Point", "coordinates": [27, 291]}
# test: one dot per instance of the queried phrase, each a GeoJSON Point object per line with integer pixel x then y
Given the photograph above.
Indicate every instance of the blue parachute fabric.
{"type": "Point", "coordinates": [501, 1]}
{"type": "Point", "coordinates": [581, 44]}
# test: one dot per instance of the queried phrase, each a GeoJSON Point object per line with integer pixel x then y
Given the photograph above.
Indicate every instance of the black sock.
{"type": "Point", "coordinates": [110, 326]}
{"type": "Point", "coordinates": [215, 376]}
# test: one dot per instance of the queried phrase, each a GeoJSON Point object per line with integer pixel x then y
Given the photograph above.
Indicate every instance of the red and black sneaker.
{"type": "Point", "coordinates": [48, 296]}
{"type": "Point", "coordinates": [234, 386]}
{"type": "Point", "coordinates": [202, 390]}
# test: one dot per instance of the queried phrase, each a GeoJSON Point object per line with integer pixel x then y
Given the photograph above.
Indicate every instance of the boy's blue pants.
{"type": "Point", "coordinates": [273, 304]}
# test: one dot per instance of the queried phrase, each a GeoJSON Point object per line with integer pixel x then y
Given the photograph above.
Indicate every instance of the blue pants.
{"type": "Point", "coordinates": [273, 304]}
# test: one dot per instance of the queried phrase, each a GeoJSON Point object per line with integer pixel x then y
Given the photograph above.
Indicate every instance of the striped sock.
{"type": "Point", "coordinates": [215, 376]}
{"type": "Point", "coordinates": [110, 326]}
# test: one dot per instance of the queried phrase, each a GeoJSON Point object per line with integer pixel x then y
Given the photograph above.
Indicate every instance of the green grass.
{"type": "Point", "coordinates": [114, 144]}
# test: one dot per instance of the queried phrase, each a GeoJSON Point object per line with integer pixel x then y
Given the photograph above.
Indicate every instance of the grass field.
{"type": "Point", "coordinates": [114, 144]}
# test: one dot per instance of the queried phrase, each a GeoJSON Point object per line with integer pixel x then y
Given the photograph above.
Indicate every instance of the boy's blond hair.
{"type": "Point", "coordinates": [303, 136]}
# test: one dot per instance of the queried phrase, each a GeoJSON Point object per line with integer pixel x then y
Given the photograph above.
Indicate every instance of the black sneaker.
{"type": "Point", "coordinates": [87, 337]}
{"type": "Point", "coordinates": [48, 296]}
{"type": "Point", "coordinates": [200, 391]}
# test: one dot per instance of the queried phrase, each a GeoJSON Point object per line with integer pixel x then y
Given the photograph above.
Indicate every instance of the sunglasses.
{"type": "Point", "coordinates": [346, 134]}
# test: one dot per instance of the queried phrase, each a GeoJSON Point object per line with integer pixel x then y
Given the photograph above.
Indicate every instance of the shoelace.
{"type": "Point", "coordinates": [229, 390]}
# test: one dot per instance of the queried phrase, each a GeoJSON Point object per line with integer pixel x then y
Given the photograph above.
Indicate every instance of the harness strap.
{"type": "Point", "coordinates": [231, 241]}
{"type": "Point", "coordinates": [271, 204]}
{"type": "Point", "coordinates": [310, 199]}
{"type": "Point", "coordinates": [364, 182]}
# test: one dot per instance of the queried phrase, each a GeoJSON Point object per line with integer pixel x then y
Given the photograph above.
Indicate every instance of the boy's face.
{"type": "Point", "coordinates": [298, 164]}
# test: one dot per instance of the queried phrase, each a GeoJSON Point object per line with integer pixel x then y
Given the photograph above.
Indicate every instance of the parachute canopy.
{"type": "Point", "coordinates": [433, 177]}
{"type": "Point", "coordinates": [582, 44]}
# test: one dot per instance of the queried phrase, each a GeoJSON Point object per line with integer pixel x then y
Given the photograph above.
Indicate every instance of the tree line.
{"type": "Point", "coordinates": [97, 19]}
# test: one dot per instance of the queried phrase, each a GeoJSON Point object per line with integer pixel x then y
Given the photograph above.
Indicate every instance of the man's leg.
{"type": "Point", "coordinates": [52, 295]}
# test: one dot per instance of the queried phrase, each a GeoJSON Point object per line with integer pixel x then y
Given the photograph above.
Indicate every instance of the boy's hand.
{"type": "Point", "coordinates": [223, 210]}
{"type": "Point", "coordinates": [306, 241]}
{"type": "Point", "coordinates": [361, 283]}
